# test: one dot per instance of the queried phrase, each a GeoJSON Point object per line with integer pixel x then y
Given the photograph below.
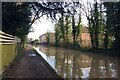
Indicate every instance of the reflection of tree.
{"type": "Point", "coordinates": [67, 67]}
{"type": "Point", "coordinates": [94, 72]}
{"type": "Point", "coordinates": [113, 69]}
{"type": "Point", "coordinates": [74, 66]}
{"type": "Point", "coordinates": [103, 69]}
{"type": "Point", "coordinates": [96, 66]}
{"type": "Point", "coordinates": [69, 64]}
{"type": "Point", "coordinates": [57, 60]}
{"type": "Point", "coordinates": [63, 65]}
{"type": "Point", "coordinates": [107, 68]}
{"type": "Point", "coordinates": [78, 63]}
{"type": "Point", "coordinates": [118, 70]}
{"type": "Point", "coordinates": [60, 61]}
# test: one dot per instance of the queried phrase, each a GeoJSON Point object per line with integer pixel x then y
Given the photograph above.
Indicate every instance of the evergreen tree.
{"type": "Point", "coordinates": [16, 18]}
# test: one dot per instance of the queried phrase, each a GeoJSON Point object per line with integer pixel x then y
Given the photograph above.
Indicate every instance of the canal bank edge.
{"type": "Point", "coordinates": [52, 71]}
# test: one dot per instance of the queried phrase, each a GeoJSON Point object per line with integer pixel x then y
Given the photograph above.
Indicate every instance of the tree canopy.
{"type": "Point", "coordinates": [102, 20]}
{"type": "Point", "coordinates": [16, 18]}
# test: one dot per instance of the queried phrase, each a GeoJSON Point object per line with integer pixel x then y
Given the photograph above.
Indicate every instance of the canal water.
{"type": "Point", "coordinates": [76, 64]}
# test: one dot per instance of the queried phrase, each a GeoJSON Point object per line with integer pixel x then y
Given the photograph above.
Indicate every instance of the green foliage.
{"type": "Point", "coordinates": [76, 29]}
{"type": "Point", "coordinates": [63, 32]}
{"type": "Point", "coordinates": [16, 18]}
{"type": "Point", "coordinates": [96, 25]}
{"type": "Point", "coordinates": [109, 22]}
{"type": "Point", "coordinates": [62, 27]}
{"type": "Point", "coordinates": [57, 34]}
{"type": "Point", "coordinates": [112, 24]}
{"type": "Point", "coordinates": [67, 29]}
{"type": "Point", "coordinates": [73, 30]}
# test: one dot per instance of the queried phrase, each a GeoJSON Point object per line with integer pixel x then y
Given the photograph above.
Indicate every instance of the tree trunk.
{"type": "Point", "coordinates": [73, 32]}
{"type": "Point", "coordinates": [62, 27]}
{"type": "Point", "coordinates": [96, 26]}
{"type": "Point", "coordinates": [106, 41]}
{"type": "Point", "coordinates": [91, 31]}
{"type": "Point", "coordinates": [92, 41]}
{"type": "Point", "coordinates": [117, 27]}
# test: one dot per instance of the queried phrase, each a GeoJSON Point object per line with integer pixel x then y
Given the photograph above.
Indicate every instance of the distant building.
{"type": "Point", "coordinates": [42, 38]}
{"type": "Point", "coordinates": [47, 38]}
{"type": "Point", "coordinates": [83, 39]}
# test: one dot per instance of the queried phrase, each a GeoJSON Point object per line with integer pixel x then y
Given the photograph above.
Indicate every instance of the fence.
{"type": "Point", "coordinates": [8, 52]}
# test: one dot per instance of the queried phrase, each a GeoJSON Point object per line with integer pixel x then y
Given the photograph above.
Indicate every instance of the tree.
{"type": "Point", "coordinates": [57, 33]}
{"type": "Point", "coordinates": [109, 22]}
{"type": "Point", "coordinates": [16, 18]}
{"type": "Point", "coordinates": [76, 30]}
{"type": "Point", "coordinates": [88, 10]}
{"type": "Point", "coordinates": [67, 29]}
{"type": "Point", "coordinates": [113, 21]}
{"type": "Point", "coordinates": [62, 27]}
{"type": "Point", "coordinates": [96, 24]}
{"type": "Point", "coordinates": [73, 30]}
{"type": "Point", "coordinates": [101, 26]}
{"type": "Point", "coordinates": [117, 27]}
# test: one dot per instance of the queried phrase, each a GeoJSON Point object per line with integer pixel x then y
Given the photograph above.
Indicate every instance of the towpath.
{"type": "Point", "coordinates": [30, 65]}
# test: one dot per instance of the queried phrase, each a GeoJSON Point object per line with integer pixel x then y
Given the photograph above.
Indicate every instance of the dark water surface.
{"type": "Point", "coordinates": [75, 64]}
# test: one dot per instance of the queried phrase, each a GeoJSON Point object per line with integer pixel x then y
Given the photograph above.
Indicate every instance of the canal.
{"type": "Point", "coordinates": [76, 64]}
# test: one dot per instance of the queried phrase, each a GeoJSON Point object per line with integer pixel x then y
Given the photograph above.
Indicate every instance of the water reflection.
{"type": "Point", "coordinates": [75, 64]}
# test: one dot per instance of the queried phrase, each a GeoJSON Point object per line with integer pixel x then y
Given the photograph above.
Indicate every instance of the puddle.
{"type": "Point", "coordinates": [31, 54]}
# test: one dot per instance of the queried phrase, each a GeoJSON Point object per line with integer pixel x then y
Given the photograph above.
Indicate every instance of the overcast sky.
{"type": "Point", "coordinates": [41, 27]}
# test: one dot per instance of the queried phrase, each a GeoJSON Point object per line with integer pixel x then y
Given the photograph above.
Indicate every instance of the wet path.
{"type": "Point", "coordinates": [29, 66]}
